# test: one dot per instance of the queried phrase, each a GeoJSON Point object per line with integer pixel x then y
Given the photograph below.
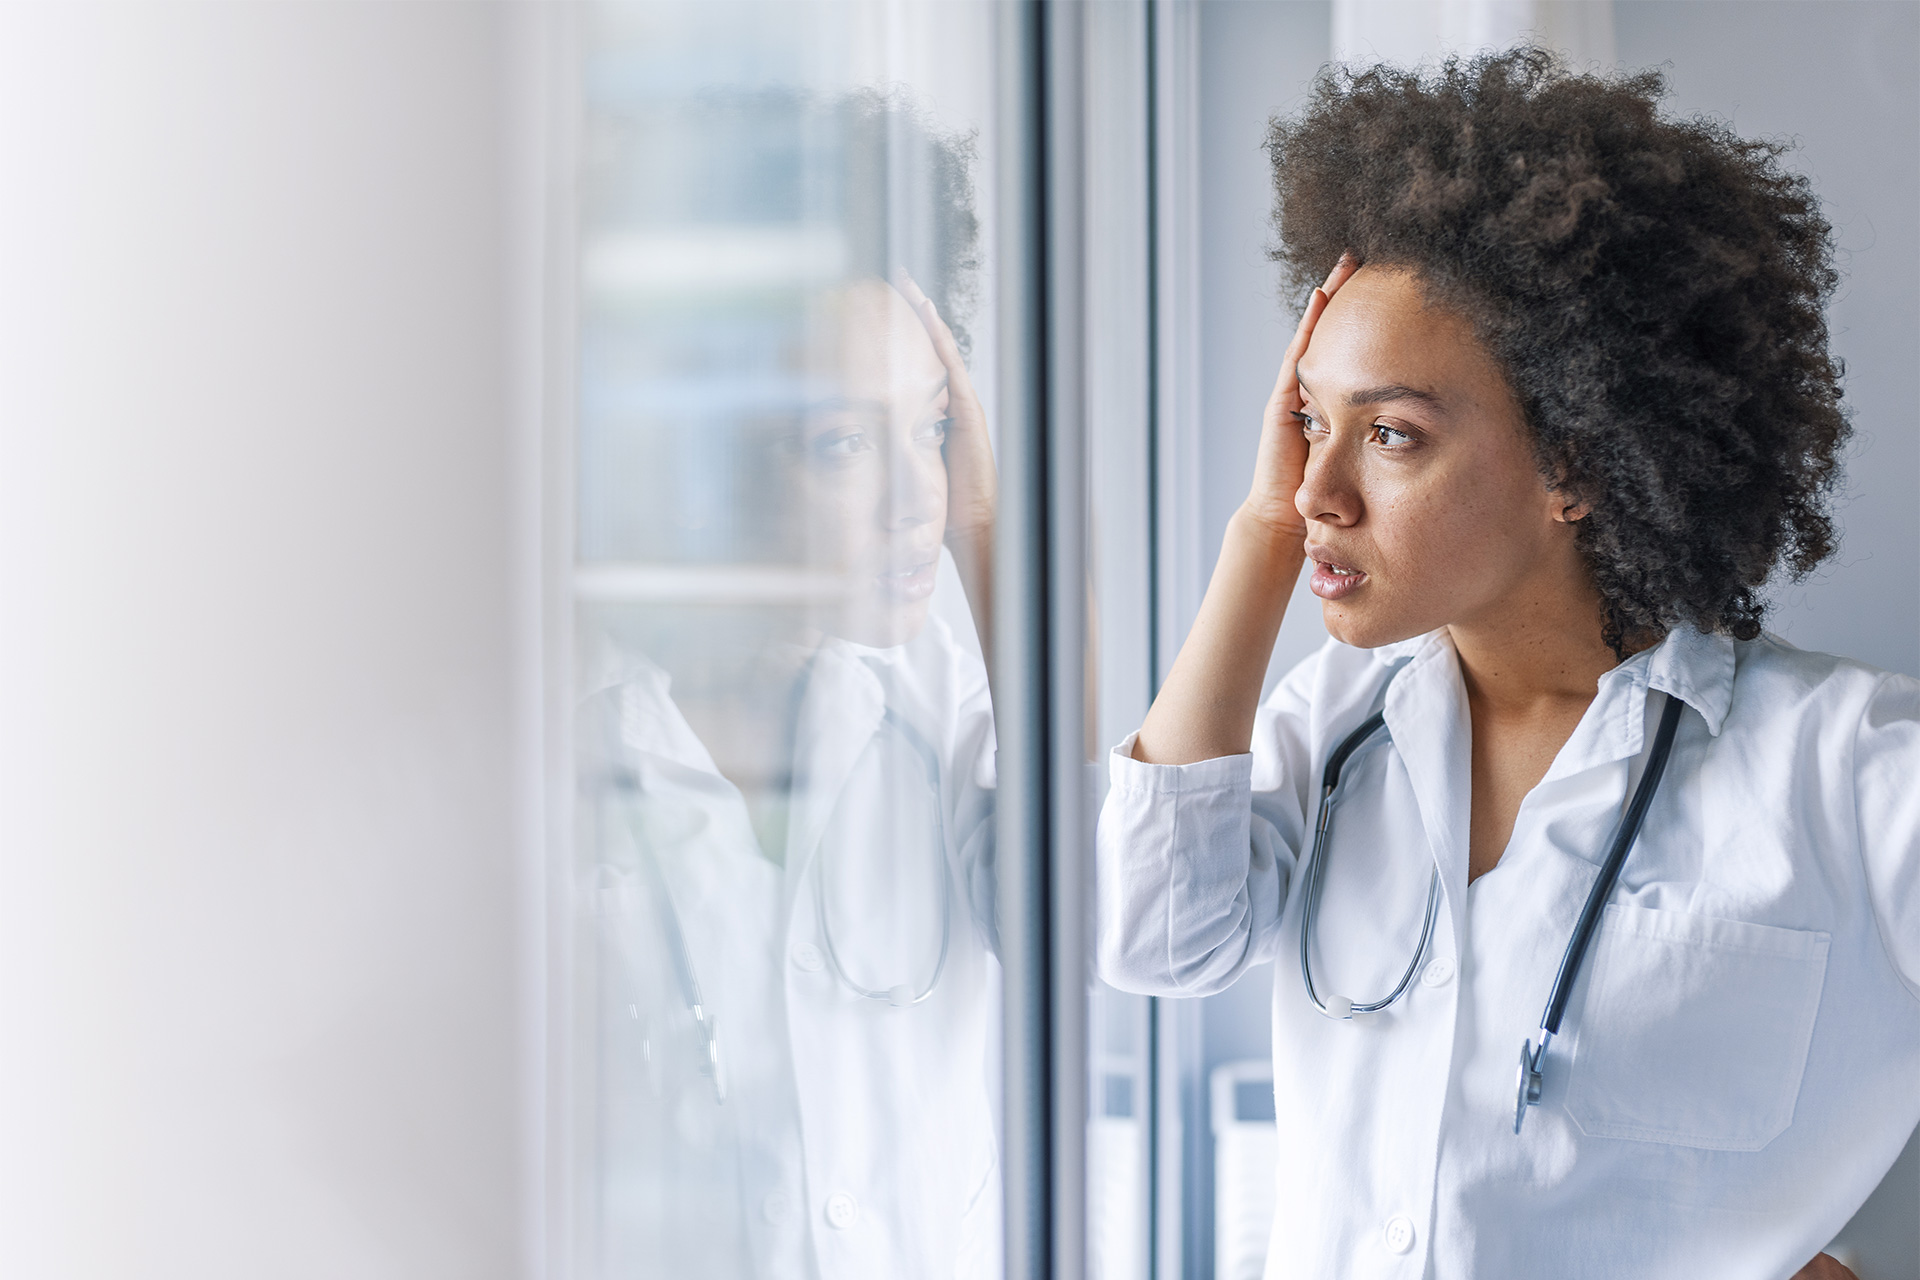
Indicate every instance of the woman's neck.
{"type": "Point", "coordinates": [742, 699]}
{"type": "Point", "coordinates": [1542, 652]}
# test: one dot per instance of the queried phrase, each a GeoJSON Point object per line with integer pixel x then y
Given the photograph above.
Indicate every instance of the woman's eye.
{"type": "Point", "coordinates": [934, 430]}
{"type": "Point", "coordinates": [846, 444]}
{"type": "Point", "coordinates": [1309, 425]}
{"type": "Point", "coordinates": [1389, 436]}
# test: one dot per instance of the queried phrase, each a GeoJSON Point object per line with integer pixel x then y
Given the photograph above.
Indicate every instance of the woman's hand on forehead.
{"type": "Point", "coordinates": [1282, 460]}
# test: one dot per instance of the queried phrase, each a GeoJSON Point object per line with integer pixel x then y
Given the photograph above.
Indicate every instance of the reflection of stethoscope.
{"type": "Point", "coordinates": [1532, 1060]}
{"type": "Point", "coordinates": [901, 995]}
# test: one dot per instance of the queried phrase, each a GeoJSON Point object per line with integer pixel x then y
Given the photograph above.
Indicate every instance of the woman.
{"type": "Point", "coordinates": [1560, 407]}
{"type": "Point", "coordinates": [790, 808]}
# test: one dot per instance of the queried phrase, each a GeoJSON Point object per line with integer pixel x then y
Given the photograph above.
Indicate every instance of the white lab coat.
{"type": "Point", "coordinates": [1740, 1060]}
{"type": "Point", "coordinates": [857, 1141]}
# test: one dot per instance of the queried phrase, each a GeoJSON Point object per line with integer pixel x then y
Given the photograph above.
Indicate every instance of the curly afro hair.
{"type": "Point", "coordinates": [1654, 289]}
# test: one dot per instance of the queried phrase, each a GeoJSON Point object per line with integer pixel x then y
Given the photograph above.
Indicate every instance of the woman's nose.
{"type": "Point", "coordinates": [1327, 492]}
{"type": "Point", "coordinates": [915, 488]}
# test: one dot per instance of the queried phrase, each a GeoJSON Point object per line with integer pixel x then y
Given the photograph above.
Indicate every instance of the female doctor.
{"type": "Point", "coordinates": [792, 814]}
{"type": "Point", "coordinates": [1561, 406]}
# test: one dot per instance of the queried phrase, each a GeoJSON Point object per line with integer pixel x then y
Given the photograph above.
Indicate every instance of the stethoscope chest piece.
{"type": "Point", "coordinates": [1530, 1081]}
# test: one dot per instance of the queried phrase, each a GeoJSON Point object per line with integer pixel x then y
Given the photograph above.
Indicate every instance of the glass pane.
{"type": "Point", "coordinates": [786, 997]}
{"type": "Point", "coordinates": [1119, 574]}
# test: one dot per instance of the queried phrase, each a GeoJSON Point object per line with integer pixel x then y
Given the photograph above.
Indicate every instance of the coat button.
{"type": "Point", "coordinates": [1439, 973]}
{"type": "Point", "coordinates": [1399, 1234]}
{"type": "Point", "coordinates": [807, 958]}
{"type": "Point", "coordinates": [777, 1207]}
{"type": "Point", "coordinates": [842, 1209]}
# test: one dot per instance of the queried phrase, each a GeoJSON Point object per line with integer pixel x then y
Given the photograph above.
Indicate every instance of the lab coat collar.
{"type": "Point", "coordinates": [650, 723]}
{"type": "Point", "coordinates": [848, 690]}
{"type": "Point", "coordinates": [1696, 668]}
{"type": "Point", "coordinates": [1431, 726]}
{"type": "Point", "coordinates": [839, 714]}
{"type": "Point", "coordinates": [1688, 664]}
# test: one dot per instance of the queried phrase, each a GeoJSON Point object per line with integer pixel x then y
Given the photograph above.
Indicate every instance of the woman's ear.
{"type": "Point", "coordinates": [1568, 506]}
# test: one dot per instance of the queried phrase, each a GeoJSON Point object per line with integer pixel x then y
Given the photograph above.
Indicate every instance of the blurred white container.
{"type": "Point", "coordinates": [1246, 1152]}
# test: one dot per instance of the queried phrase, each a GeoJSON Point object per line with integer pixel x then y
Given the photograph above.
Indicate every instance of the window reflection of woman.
{"type": "Point", "coordinates": [852, 731]}
{"type": "Point", "coordinates": [878, 477]}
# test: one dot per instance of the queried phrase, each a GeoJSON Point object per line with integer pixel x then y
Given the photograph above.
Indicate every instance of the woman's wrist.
{"type": "Point", "coordinates": [1268, 532]}
{"type": "Point", "coordinates": [974, 537]}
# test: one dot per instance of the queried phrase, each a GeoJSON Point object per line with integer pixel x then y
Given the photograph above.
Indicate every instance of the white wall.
{"type": "Point", "coordinates": [1838, 79]}
{"type": "Point", "coordinates": [261, 812]}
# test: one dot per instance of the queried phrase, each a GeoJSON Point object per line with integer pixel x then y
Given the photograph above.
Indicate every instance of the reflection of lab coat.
{"type": "Point", "coordinates": [858, 1139]}
{"type": "Point", "coordinates": [1740, 1059]}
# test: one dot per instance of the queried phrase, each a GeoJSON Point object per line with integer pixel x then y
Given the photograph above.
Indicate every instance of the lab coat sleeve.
{"type": "Point", "coordinates": [1887, 808]}
{"type": "Point", "coordinates": [1193, 861]}
{"type": "Point", "coordinates": [973, 767]}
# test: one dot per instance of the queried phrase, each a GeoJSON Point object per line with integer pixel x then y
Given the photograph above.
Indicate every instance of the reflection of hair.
{"type": "Point", "coordinates": [869, 167]}
{"type": "Point", "coordinates": [1654, 289]}
{"type": "Point", "coordinates": [907, 192]}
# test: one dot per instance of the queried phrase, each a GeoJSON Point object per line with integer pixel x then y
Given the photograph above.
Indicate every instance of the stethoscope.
{"type": "Point", "coordinates": [1532, 1060]}
{"type": "Point", "coordinates": [901, 995]}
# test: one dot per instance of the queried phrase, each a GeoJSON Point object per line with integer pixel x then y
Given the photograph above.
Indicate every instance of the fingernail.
{"type": "Point", "coordinates": [1323, 295]}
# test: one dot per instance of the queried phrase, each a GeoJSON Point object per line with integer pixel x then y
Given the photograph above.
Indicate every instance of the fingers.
{"type": "Point", "coordinates": [929, 315]}
{"type": "Point", "coordinates": [945, 345]}
{"type": "Point", "coordinates": [1342, 272]}
{"type": "Point", "coordinates": [1286, 387]}
{"type": "Point", "coordinates": [1317, 302]}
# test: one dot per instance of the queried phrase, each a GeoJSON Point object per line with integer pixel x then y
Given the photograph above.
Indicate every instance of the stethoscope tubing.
{"type": "Point", "coordinates": [1532, 1060]}
{"type": "Point", "coordinates": [1530, 1084]}
{"type": "Point", "coordinates": [932, 762]}
{"type": "Point", "coordinates": [627, 786]}
{"type": "Point", "coordinates": [1623, 839]}
{"type": "Point", "coordinates": [1316, 872]}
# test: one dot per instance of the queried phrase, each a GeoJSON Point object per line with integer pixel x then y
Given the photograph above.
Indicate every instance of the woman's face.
{"type": "Point", "coordinates": [1424, 504]}
{"type": "Point", "coordinates": [872, 479]}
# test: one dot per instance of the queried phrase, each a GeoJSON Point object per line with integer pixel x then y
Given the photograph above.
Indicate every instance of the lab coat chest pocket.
{"type": "Point", "coordinates": [1695, 1029]}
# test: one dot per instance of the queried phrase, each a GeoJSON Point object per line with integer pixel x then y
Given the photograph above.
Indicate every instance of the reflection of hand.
{"type": "Point", "coordinates": [1282, 460]}
{"type": "Point", "coordinates": [972, 486]}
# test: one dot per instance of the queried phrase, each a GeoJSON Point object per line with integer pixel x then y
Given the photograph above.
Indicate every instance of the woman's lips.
{"type": "Point", "coordinates": [911, 584]}
{"type": "Point", "coordinates": [1333, 581]}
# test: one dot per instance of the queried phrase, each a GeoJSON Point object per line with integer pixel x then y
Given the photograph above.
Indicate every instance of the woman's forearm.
{"type": "Point", "coordinates": [1206, 707]}
{"type": "Point", "coordinates": [973, 560]}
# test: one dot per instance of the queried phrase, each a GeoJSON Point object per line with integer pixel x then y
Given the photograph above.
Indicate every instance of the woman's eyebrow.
{"type": "Point", "coordinates": [845, 404]}
{"type": "Point", "coordinates": [1387, 393]}
{"type": "Point", "coordinates": [877, 408]}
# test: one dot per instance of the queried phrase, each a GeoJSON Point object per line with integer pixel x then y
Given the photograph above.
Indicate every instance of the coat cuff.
{"type": "Point", "coordinates": [1224, 773]}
